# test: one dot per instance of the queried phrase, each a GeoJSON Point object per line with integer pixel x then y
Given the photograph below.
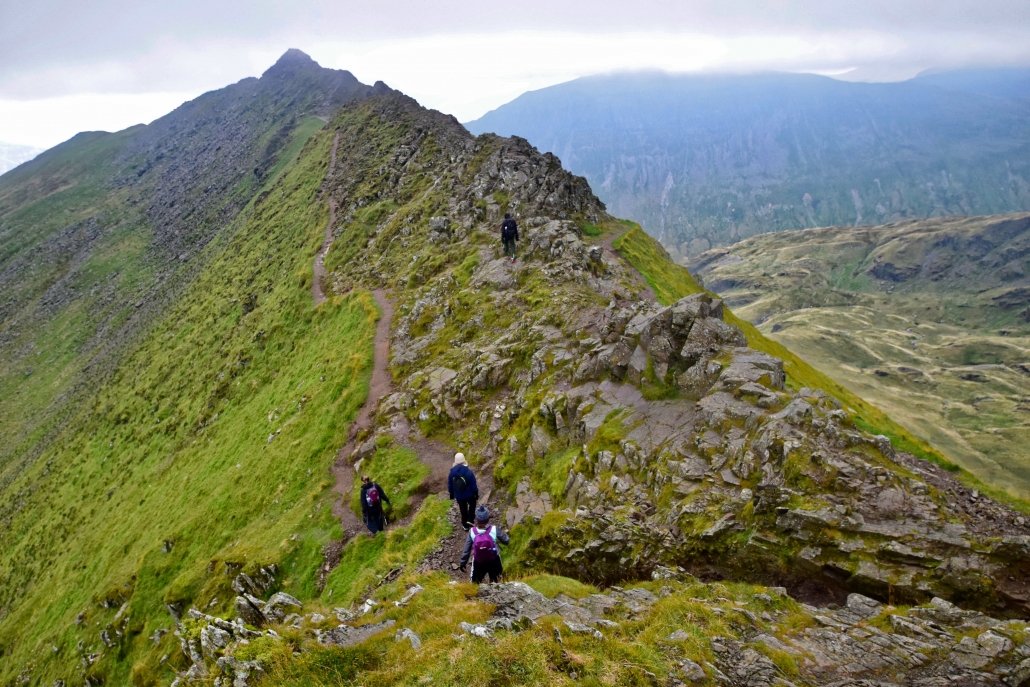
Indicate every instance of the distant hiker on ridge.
{"type": "Point", "coordinates": [462, 488]}
{"type": "Point", "coordinates": [509, 235]}
{"type": "Point", "coordinates": [372, 498]}
{"type": "Point", "coordinates": [482, 547]}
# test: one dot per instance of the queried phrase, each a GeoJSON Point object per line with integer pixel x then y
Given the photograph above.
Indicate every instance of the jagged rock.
{"type": "Point", "coordinates": [499, 274]}
{"type": "Point", "coordinates": [345, 635]}
{"type": "Point", "coordinates": [278, 605]}
{"type": "Point", "coordinates": [481, 631]}
{"type": "Point", "coordinates": [691, 671]}
{"type": "Point", "coordinates": [213, 640]}
{"type": "Point", "coordinates": [249, 608]}
{"type": "Point", "coordinates": [518, 624]}
{"type": "Point", "coordinates": [240, 671]}
{"type": "Point", "coordinates": [582, 629]}
{"type": "Point", "coordinates": [407, 634]}
{"type": "Point", "coordinates": [408, 596]}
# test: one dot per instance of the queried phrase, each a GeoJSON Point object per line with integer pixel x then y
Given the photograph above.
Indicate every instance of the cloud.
{"type": "Point", "coordinates": [462, 57]}
{"type": "Point", "coordinates": [52, 47]}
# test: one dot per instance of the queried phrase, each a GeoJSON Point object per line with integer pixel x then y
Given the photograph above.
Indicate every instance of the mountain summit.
{"type": "Point", "coordinates": [335, 302]}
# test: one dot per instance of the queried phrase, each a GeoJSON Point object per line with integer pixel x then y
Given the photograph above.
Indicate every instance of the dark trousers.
{"type": "Point", "coordinates": [509, 247]}
{"type": "Point", "coordinates": [375, 521]}
{"type": "Point", "coordinates": [467, 508]}
{"type": "Point", "coordinates": [481, 570]}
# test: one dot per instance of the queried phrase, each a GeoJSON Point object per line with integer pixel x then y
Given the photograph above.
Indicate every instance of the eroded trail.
{"type": "Point", "coordinates": [436, 455]}
{"type": "Point", "coordinates": [379, 386]}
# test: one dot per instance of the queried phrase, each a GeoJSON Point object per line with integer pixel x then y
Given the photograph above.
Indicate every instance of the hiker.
{"type": "Point", "coordinates": [509, 235]}
{"type": "Point", "coordinates": [482, 547]}
{"type": "Point", "coordinates": [372, 498]}
{"type": "Point", "coordinates": [462, 488]}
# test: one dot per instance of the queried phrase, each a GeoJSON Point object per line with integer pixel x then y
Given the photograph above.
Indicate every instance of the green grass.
{"type": "Point", "coordinates": [367, 560]}
{"type": "Point", "coordinates": [398, 471]}
{"type": "Point", "coordinates": [553, 585]}
{"type": "Point", "coordinates": [215, 436]}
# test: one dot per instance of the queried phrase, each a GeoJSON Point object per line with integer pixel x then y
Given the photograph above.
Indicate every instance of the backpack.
{"type": "Point", "coordinates": [484, 548]}
{"type": "Point", "coordinates": [372, 497]}
{"type": "Point", "coordinates": [460, 483]}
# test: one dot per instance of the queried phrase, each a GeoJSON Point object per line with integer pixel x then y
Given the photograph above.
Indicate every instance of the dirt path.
{"type": "Point", "coordinates": [379, 386]}
{"type": "Point", "coordinates": [318, 278]}
{"type": "Point", "coordinates": [436, 455]}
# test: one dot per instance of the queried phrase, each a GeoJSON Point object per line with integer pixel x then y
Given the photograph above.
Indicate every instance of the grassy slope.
{"type": "Point", "coordinates": [44, 354]}
{"type": "Point", "coordinates": [179, 448]}
{"type": "Point", "coordinates": [671, 282]}
{"type": "Point", "coordinates": [940, 349]}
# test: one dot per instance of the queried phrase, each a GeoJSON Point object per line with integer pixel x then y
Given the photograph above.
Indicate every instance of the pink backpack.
{"type": "Point", "coordinates": [484, 548]}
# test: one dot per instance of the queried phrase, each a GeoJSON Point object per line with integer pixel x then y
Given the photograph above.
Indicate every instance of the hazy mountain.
{"type": "Point", "coordinates": [707, 160]}
{"type": "Point", "coordinates": [930, 319]}
{"type": "Point", "coordinates": [13, 155]}
{"type": "Point", "coordinates": [213, 323]}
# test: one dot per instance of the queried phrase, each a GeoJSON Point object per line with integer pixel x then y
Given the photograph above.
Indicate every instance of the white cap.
{"type": "Point", "coordinates": [459, 459]}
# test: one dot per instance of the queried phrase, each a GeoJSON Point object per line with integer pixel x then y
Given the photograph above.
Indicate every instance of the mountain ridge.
{"type": "Point", "coordinates": [634, 438]}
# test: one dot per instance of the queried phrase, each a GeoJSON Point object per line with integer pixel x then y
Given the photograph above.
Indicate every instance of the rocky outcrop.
{"type": "Point", "coordinates": [863, 642]}
{"type": "Point", "coordinates": [678, 443]}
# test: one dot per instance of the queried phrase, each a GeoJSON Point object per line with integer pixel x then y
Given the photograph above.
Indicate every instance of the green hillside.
{"type": "Point", "coordinates": [926, 319]}
{"type": "Point", "coordinates": [100, 235]}
{"type": "Point", "coordinates": [673, 494]}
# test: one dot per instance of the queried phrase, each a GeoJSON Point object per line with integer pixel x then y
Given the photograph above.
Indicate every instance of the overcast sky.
{"type": "Point", "coordinates": [68, 66]}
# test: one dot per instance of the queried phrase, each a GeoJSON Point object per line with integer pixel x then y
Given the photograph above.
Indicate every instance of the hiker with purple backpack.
{"type": "Point", "coordinates": [372, 498]}
{"type": "Point", "coordinates": [482, 547]}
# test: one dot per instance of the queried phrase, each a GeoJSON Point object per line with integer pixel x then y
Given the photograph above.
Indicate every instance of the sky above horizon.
{"type": "Point", "coordinates": [67, 66]}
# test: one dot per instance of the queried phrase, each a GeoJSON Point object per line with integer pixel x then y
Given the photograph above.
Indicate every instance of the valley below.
{"type": "Point", "coordinates": [930, 320]}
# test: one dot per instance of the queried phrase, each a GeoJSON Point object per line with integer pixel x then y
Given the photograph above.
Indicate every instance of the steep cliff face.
{"type": "Point", "coordinates": [702, 161]}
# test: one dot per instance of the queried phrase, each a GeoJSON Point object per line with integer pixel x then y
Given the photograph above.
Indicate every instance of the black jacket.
{"type": "Point", "coordinates": [509, 230]}
{"type": "Point", "coordinates": [383, 498]}
{"type": "Point", "coordinates": [454, 487]}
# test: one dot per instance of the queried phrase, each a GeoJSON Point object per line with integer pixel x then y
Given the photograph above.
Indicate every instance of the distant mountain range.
{"type": "Point", "coordinates": [13, 155]}
{"type": "Point", "coordinates": [703, 161]}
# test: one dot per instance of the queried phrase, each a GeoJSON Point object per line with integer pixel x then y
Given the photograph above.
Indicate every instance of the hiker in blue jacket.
{"type": "Point", "coordinates": [462, 488]}
{"type": "Point", "coordinates": [482, 547]}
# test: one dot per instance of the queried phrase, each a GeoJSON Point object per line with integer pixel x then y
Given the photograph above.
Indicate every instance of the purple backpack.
{"type": "Point", "coordinates": [484, 548]}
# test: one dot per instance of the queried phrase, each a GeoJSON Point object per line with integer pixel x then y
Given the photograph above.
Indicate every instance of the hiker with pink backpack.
{"type": "Point", "coordinates": [482, 546]}
{"type": "Point", "coordinates": [372, 499]}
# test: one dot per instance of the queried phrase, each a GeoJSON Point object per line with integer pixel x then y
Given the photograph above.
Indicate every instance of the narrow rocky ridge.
{"type": "Point", "coordinates": [680, 444]}
{"type": "Point", "coordinates": [434, 454]}
{"type": "Point", "coordinates": [635, 441]}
